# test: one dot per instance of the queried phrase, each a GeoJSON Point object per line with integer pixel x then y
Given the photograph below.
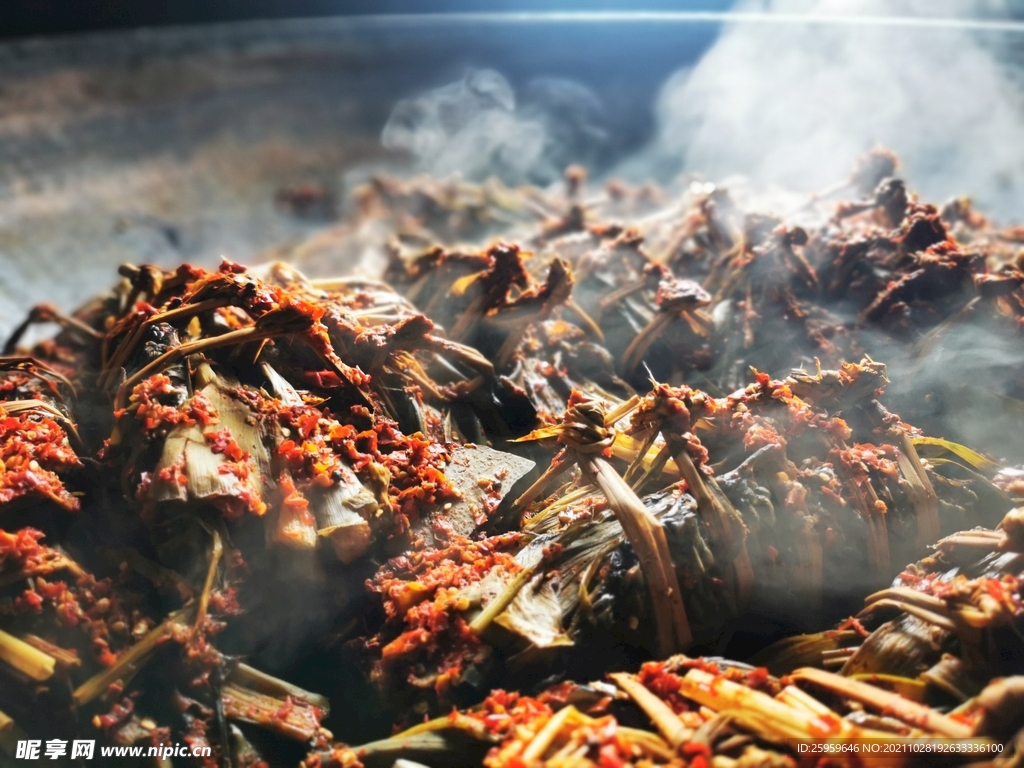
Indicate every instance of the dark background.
{"type": "Point", "coordinates": [21, 18]}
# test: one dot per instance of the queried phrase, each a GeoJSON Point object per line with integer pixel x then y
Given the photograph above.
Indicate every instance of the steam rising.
{"type": "Point", "coordinates": [477, 128]}
{"type": "Point", "coordinates": [944, 385]}
{"type": "Point", "coordinates": [793, 104]}
{"type": "Point", "coordinates": [789, 107]}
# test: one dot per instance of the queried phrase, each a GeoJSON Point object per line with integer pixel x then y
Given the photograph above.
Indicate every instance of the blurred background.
{"type": "Point", "coordinates": [44, 17]}
{"type": "Point", "coordinates": [166, 131]}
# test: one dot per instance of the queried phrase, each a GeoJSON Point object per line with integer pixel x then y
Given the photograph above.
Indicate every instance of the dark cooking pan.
{"type": "Point", "coordinates": [237, 141]}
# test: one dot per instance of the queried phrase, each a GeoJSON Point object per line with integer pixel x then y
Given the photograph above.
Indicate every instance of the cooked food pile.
{"type": "Point", "coordinates": [582, 479]}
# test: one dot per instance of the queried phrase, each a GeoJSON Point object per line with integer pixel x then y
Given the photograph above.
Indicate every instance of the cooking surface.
{"type": "Point", "coordinates": [271, 502]}
{"type": "Point", "coordinates": [169, 145]}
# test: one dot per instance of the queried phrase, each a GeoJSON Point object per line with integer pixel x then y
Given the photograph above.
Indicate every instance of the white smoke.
{"type": "Point", "coordinates": [476, 127]}
{"type": "Point", "coordinates": [785, 105]}
{"type": "Point", "coordinates": [793, 104]}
